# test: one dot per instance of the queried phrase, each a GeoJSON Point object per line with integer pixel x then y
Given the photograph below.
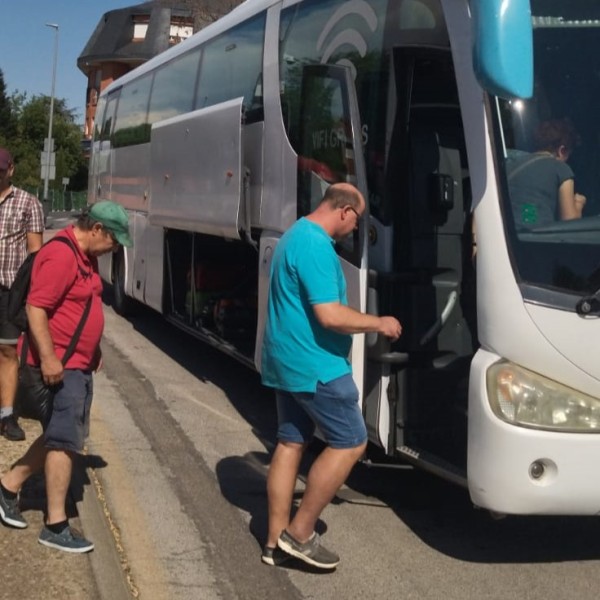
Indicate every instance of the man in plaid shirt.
{"type": "Point", "coordinates": [21, 227]}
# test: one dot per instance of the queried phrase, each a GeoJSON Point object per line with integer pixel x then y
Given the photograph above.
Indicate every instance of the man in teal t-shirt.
{"type": "Point", "coordinates": [305, 358]}
{"type": "Point", "coordinates": [299, 352]}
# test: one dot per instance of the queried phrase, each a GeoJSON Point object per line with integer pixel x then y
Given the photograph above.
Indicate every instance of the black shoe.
{"type": "Point", "coordinates": [311, 551]}
{"type": "Point", "coordinates": [9, 428]}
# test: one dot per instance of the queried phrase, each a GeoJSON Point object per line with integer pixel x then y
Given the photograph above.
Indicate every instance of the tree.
{"type": "Point", "coordinates": [8, 124]}
{"type": "Point", "coordinates": [32, 129]}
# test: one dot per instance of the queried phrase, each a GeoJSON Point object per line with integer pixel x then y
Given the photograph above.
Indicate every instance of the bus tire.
{"type": "Point", "coordinates": [123, 304]}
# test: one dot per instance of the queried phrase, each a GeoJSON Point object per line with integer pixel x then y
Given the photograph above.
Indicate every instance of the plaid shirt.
{"type": "Point", "coordinates": [20, 213]}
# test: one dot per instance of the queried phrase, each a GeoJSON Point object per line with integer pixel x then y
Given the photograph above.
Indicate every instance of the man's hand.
{"type": "Point", "coordinates": [390, 327]}
{"type": "Point", "coordinates": [52, 370]}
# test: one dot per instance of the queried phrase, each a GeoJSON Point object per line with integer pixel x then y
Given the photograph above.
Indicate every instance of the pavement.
{"type": "Point", "coordinates": [30, 570]}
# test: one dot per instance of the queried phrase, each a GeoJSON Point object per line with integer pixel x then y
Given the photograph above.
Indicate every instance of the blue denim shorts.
{"type": "Point", "coordinates": [333, 408]}
{"type": "Point", "coordinates": [69, 424]}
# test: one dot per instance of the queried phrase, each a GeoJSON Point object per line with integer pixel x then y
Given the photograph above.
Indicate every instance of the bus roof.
{"type": "Point", "coordinates": [239, 14]}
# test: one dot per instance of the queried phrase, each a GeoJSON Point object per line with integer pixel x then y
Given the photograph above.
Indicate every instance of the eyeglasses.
{"type": "Point", "coordinates": [111, 235]}
{"type": "Point", "coordinates": [358, 217]}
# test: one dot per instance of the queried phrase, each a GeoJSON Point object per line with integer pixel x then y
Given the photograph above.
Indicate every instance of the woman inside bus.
{"type": "Point", "coordinates": [541, 184]}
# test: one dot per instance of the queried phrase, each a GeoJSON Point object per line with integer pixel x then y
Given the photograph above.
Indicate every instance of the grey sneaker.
{"type": "Point", "coordinates": [68, 540]}
{"type": "Point", "coordinates": [310, 552]}
{"type": "Point", "coordinates": [274, 556]}
{"type": "Point", "coordinates": [10, 513]}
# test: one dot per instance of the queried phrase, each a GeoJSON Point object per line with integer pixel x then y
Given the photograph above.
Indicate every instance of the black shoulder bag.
{"type": "Point", "coordinates": [34, 398]}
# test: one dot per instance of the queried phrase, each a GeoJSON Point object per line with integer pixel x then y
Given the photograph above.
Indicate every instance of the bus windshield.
{"type": "Point", "coordinates": [550, 158]}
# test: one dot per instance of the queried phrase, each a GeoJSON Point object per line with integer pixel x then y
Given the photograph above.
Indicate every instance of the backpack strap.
{"type": "Point", "coordinates": [86, 311]}
{"type": "Point", "coordinates": [68, 242]}
{"type": "Point", "coordinates": [71, 347]}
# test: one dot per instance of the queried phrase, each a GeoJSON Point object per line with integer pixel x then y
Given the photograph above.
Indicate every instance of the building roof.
{"type": "Point", "coordinates": [112, 39]}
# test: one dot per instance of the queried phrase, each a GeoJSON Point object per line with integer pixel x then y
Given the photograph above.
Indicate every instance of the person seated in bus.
{"type": "Point", "coordinates": [541, 184]}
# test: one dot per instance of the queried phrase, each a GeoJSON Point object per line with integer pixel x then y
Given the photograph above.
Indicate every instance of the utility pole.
{"type": "Point", "coordinates": [48, 163]}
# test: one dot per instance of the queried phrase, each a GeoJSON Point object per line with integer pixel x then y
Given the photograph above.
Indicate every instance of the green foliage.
{"type": "Point", "coordinates": [23, 129]}
{"type": "Point", "coordinates": [8, 123]}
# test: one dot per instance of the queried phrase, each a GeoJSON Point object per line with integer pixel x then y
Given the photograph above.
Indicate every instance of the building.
{"type": "Point", "coordinates": [124, 39]}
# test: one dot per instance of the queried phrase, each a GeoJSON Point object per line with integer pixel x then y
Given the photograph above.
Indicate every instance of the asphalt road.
{"type": "Point", "coordinates": [181, 435]}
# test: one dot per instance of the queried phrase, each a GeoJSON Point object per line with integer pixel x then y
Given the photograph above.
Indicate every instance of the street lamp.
{"type": "Point", "coordinates": [49, 149]}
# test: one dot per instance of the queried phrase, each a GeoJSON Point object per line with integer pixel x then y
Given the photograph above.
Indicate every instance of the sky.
{"type": "Point", "coordinates": [27, 45]}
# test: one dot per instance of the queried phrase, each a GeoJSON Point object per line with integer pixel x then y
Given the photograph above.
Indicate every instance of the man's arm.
{"type": "Point", "coordinates": [343, 319]}
{"type": "Point", "coordinates": [34, 241]}
{"type": "Point", "coordinates": [52, 368]}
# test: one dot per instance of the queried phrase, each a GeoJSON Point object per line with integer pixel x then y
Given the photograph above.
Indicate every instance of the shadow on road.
{"type": "Point", "coordinates": [439, 513]}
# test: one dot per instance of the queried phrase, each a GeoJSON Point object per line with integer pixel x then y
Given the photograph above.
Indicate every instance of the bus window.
{"type": "Point", "coordinates": [232, 65]}
{"type": "Point", "coordinates": [323, 138]}
{"type": "Point", "coordinates": [335, 32]}
{"type": "Point", "coordinates": [550, 159]}
{"type": "Point", "coordinates": [99, 117]}
{"type": "Point", "coordinates": [131, 125]}
{"type": "Point", "coordinates": [109, 115]}
{"type": "Point", "coordinates": [173, 87]}
{"type": "Point", "coordinates": [326, 144]}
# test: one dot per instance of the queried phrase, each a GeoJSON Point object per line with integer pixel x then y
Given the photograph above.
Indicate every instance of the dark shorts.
{"type": "Point", "coordinates": [9, 333]}
{"type": "Point", "coordinates": [333, 408]}
{"type": "Point", "coordinates": [69, 424]}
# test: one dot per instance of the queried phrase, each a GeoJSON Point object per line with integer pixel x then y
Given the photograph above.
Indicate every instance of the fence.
{"type": "Point", "coordinates": [59, 200]}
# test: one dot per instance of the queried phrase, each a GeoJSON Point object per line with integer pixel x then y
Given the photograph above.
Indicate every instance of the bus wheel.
{"type": "Point", "coordinates": [122, 304]}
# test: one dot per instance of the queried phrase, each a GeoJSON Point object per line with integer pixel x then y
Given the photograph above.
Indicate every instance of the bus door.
{"type": "Point", "coordinates": [416, 388]}
{"type": "Point", "coordinates": [330, 151]}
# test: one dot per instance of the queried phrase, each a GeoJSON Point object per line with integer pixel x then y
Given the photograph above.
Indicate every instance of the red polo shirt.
{"type": "Point", "coordinates": [59, 286]}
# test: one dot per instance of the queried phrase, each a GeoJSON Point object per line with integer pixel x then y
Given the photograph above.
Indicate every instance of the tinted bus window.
{"type": "Point", "coordinates": [131, 123]}
{"type": "Point", "coordinates": [232, 67]}
{"type": "Point", "coordinates": [109, 116]}
{"type": "Point", "coordinates": [336, 32]}
{"type": "Point", "coordinates": [99, 117]}
{"type": "Point", "coordinates": [174, 86]}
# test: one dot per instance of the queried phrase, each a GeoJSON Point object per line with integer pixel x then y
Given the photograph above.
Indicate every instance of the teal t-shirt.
{"type": "Point", "coordinates": [297, 351]}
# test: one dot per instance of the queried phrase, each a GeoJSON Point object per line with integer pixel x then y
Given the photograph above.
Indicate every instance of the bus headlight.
{"type": "Point", "coordinates": [524, 398]}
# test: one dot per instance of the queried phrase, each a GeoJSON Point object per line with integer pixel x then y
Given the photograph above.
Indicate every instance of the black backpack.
{"type": "Point", "coordinates": [17, 296]}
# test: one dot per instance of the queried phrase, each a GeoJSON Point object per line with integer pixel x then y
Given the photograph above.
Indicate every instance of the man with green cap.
{"type": "Point", "coordinates": [65, 284]}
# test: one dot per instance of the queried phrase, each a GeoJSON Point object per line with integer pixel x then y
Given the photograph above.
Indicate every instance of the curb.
{"type": "Point", "coordinates": [108, 573]}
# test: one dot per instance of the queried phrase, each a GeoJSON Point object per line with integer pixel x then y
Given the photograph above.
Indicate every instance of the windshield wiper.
{"type": "Point", "coordinates": [590, 305]}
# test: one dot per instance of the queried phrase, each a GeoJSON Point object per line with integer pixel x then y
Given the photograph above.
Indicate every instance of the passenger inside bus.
{"type": "Point", "coordinates": [541, 184]}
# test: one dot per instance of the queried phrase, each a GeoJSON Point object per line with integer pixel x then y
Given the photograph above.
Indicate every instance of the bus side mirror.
{"type": "Point", "coordinates": [503, 47]}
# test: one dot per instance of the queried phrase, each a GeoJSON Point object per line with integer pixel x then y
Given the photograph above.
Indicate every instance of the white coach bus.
{"type": "Point", "coordinates": [219, 144]}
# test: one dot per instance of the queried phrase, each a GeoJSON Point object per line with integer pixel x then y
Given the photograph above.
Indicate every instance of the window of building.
{"type": "Point", "coordinates": [140, 27]}
{"type": "Point", "coordinates": [180, 30]}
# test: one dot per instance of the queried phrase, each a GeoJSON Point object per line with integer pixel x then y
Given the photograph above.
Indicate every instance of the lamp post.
{"type": "Point", "coordinates": [49, 149]}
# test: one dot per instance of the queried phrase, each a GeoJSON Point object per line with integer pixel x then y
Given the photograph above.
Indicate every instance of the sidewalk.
{"type": "Point", "coordinates": [30, 570]}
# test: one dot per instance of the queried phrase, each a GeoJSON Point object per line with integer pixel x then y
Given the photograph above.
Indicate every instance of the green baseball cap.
{"type": "Point", "coordinates": [114, 218]}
